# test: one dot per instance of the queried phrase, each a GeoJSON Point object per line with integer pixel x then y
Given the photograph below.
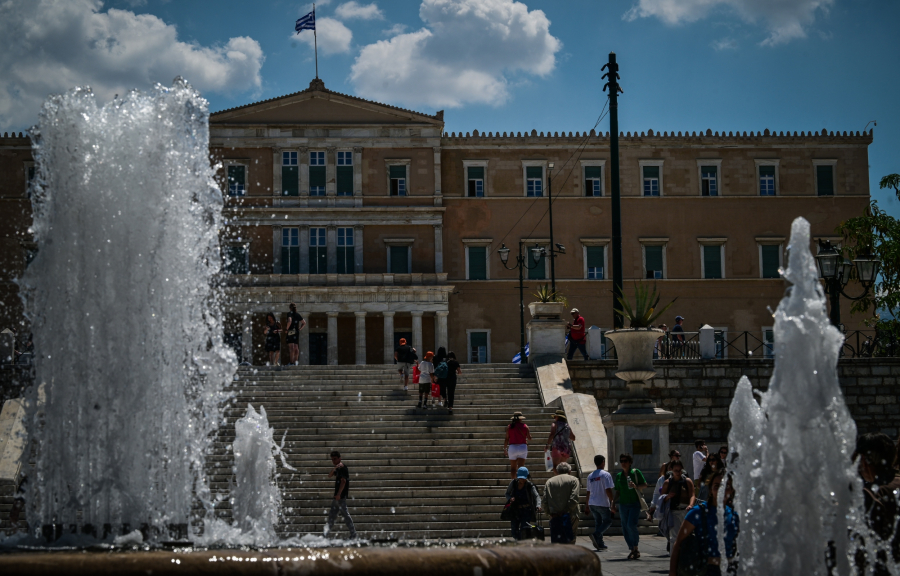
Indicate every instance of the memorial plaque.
{"type": "Point", "coordinates": [642, 447]}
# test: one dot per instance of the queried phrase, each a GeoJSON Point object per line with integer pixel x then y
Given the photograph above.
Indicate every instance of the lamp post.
{"type": "Point", "coordinates": [836, 272]}
{"type": "Point", "coordinates": [522, 264]}
{"type": "Point", "coordinates": [554, 248]}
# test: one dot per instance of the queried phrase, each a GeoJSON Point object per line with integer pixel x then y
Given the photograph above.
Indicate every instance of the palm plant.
{"type": "Point", "coordinates": [546, 294]}
{"type": "Point", "coordinates": [645, 310]}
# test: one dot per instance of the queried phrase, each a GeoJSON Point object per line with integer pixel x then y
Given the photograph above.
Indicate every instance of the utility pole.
{"type": "Point", "coordinates": [550, 211]}
{"type": "Point", "coordinates": [613, 84]}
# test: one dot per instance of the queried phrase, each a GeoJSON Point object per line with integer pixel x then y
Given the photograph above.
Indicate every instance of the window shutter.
{"type": "Point", "coordinates": [295, 260]}
{"type": "Point", "coordinates": [534, 172]}
{"type": "Point", "coordinates": [473, 189]}
{"type": "Point", "coordinates": [712, 261]}
{"type": "Point", "coordinates": [825, 180]}
{"type": "Point", "coordinates": [595, 256]}
{"type": "Point", "coordinates": [290, 184]}
{"type": "Point", "coordinates": [286, 260]}
{"type": "Point", "coordinates": [349, 261]}
{"type": "Point", "coordinates": [538, 272]}
{"type": "Point", "coordinates": [476, 172]}
{"type": "Point", "coordinates": [651, 171]}
{"type": "Point", "coordinates": [592, 172]}
{"type": "Point", "coordinates": [398, 172]}
{"type": "Point", "coordinates": [317, 176]}
{"type": "Point", "coordinates": [345, 180]}
{"type": "Point", "coordinates": [478, 339]}
{"type": "Point", "coordinates": [708, 171]}
{"type": "Point", "coordinates": [653, 255]}
{"type": "Point", "coordinates": [236, 174]}
{"type": "Point", "coordinates": [477, 263]}
{"type": "Point", "coordinates": [399, 260]}
{"type": "Point", "coordinates": [767, 171]}
{"type": "Point", "coordinates": [770, 261]}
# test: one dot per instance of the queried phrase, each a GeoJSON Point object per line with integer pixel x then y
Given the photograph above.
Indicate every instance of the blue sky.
{"type": "Point", "coordinates": [685, 64]}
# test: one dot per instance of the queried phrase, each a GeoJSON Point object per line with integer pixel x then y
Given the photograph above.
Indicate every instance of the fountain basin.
{"type": "Point", "coordinates": [532, 559]}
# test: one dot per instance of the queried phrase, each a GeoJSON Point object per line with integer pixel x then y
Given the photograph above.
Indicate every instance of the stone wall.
{"type": "Point", "coordinates": [700, 392]}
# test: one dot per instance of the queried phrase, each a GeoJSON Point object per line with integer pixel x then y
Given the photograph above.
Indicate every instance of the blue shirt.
{"type": "Point", "coordinates": [732, 525]}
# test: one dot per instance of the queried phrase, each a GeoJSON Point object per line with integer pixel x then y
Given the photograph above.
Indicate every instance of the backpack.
{"type": "Point", "coordinates": [442, 370]}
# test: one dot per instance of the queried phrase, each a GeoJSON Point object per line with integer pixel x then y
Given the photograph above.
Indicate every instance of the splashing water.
{"type": "Point", "coordinates": [796, 488]}
{"type": "Point", "coordinates": [131, 362]}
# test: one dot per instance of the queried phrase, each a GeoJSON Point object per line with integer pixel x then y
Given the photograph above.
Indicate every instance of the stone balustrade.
{"type": "Point", "coordinates": [415, 279]}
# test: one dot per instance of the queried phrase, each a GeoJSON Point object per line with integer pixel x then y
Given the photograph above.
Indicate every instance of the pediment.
{"type": "Point", "coordinates": [319, 106]}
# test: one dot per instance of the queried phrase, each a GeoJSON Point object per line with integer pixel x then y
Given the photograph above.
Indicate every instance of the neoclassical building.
{"type": "Point", "coordinates": [379, 225]}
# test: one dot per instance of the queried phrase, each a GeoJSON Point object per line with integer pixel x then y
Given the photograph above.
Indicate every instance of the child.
{"type": "Point", "coordinates": [426, 372]}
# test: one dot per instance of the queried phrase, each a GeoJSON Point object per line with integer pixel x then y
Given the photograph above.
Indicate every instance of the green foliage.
{"type": "Point", "coordinates": [546, 294]}
{"type": "Point", "coordinates": [644, 311]}
{"type": "Point", "coordinates": [878, 232]}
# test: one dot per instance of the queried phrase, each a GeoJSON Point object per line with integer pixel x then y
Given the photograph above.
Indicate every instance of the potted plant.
{"type": "Point", "coordinates": [550, 304]}
{"type": "Point", "coordinates": [634, 345]}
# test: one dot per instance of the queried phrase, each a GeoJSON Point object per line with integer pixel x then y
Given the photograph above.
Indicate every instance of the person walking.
{"type": "Point", "coordinates": [341, 490]}
{"type": "Point", "coordinates": [674, 456]}
{"type": "Point", "coordinates": [515, 445]}
{"type": "Point", "coordinates": [598, 500]}
{"type": "Point", "coordinates": [405, 356]}
{"type": "Point", "coordinates": [561, 500]}
{"type": "Point", "coordinates": [295, 324]}
{"type": "Point", "coordinates": [628, 483]}
{"type": "Point", "coordinates": [656, 503]}
{"type": "Point", "coordinates": [678, 339]}
{"type": "Point", "coordinates": [273, 339]}
{"type": "Point", "coordinates": [426, 378]}
{"type": "Point", "coordinates": [699, 458]}
{"type": "Point", "coordinates": [524, 499]}
{"type": "Point", "coordinates": [441, 372]}
{"type": "Point", "coordinates": [678, 499]}
{"type": "Point", "coordinates": [449, 388]}
{"type": "Point", "coordinates": [712, 466]}
{"type": "Point", "coordinates": [704, 520]}
{"type": "Point", "coordinates": [560, 435]}
{"type": "Point", "coordinates": [577, 335]}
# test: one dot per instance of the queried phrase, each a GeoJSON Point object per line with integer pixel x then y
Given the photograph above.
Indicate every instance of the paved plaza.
{"type": "Point", "coordinates": [654, 558]}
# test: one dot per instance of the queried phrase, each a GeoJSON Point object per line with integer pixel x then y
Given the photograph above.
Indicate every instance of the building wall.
{"type": "Point", "coordinates": [15, 221]}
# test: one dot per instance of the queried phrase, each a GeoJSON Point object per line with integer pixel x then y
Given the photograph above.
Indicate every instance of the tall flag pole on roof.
{"type": "Point", "coordinates": [308, 22]}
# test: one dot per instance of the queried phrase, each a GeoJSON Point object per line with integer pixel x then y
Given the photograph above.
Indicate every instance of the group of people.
{"type": "Point", "coordinates": [273, 330]}
{"type": "Point", "coordinates": [435, 375]}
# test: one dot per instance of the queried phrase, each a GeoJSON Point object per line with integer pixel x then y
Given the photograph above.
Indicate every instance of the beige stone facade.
{"type": "Point", "coordinates": [377, 224]}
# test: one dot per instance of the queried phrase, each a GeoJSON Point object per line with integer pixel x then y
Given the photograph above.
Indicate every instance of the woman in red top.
{"type": "Point", "coordinates": [516, 444]}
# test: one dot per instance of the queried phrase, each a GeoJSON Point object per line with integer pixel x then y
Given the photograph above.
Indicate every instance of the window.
{"type": "Point", "coordinates": [712, 261]}
{"type": "Point", "coordinates": [594, 258]}
{"type": "Point", "coordinates": [539, 272]}
{"type": "Point", "coordinates": [825, 179]}
{"type": "Point", "coordinates": [345, 173]}
{"type": "Point", "coordinates": [767, 180]}
{"type": "Point", "coordinates": [476, 263]}
{"type": "Point", "coordinates": [651, 180]}
{"type": "Point", "coordinates": [479, 350]}
{"type": "Point", "coordinates": [768, 342]}
{"type": "Point", "coordinates": [709, 181]}
{"type": "Point", "coordinates": [345, 251]}
{"type": "Point", "coordinates": [770, 260]}
{"type": "Point", "coordinates": [318, 253]}
{"type": "Point", "coordinates": [290, 183]}
{"type": "Point", "coordinates": [316, 174]}
{"type": "Point", "coordinates": [475, 187]}
{"type": "Point", "coordinates": [290, 250]}
{"type": "Point", "coordinates": [237, 179]}
{"type": "Point", "coordinates": [593, 181]}
{"type": "Point", "coordinates": [237, 259]}
{"type": "Point", "coordinates": [653, 262]}
{"type": "Point", "coordinates": [534, 180]}
{"type": "Point", "coordinates": [398, 259]}
{"type": "Point", "coordinates": [398, 180]}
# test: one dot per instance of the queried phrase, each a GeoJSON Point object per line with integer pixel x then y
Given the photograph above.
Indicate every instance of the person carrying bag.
{"type": "Point", "coordinates": [522, 502]}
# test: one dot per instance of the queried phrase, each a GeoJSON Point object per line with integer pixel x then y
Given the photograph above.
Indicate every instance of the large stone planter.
{"type": "Point", "coordinates": [547, 310]}
{"type": "Point", "coordinates": [547, 329]}
{"type": "Point", "coordinates": [634, 350]}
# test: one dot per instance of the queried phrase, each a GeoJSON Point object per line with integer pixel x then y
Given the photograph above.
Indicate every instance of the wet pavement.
{"type": "Point", "coordinates": [654, 558]}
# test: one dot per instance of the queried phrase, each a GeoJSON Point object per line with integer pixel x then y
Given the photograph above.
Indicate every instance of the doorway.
{"type": "Point", "coordinates": [318, 349]}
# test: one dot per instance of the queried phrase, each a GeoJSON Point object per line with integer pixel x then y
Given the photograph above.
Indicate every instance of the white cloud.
{"type": "Point", "coordinates": [50, 46]}
{"type": "Point", "coordinates": [395, 29]}
{"type": "Point", "coordinates": [785, 20]}
{"type": "Point", "coordinates": [352, 9]}
{"type": "Point", "coordinates": [463, 55]}
{"type": "Point", "coordinates": [725, 44]}
{"type": "Point", "coordinates": [333, 36]}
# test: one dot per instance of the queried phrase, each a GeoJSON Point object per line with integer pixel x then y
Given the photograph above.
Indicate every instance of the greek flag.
{"type": "Point", "coordinates": [308, 22]}
{"type": "Point", "coordinates": [517, 359]}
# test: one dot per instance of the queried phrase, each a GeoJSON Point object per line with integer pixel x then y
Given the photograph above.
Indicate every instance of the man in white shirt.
{"type": "Point", "coordinates": [699, 458]}
{"type": "Point", "coordinates": [599, 496]}
{"type": "Point", "coordinates": [426, 370]}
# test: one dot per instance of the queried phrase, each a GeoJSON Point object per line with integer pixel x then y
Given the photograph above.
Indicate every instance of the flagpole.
{"type": "Point", "coordinates": [316, 43]}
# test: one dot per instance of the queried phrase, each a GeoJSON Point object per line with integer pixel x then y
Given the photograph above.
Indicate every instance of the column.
{"type": "Point", "coordinates": [440, 331]}
{"type": "Point", "coordinates": [358, 249]}
{"type": "Point", "coordinates": [417, 333]}
{"type": "Point", "coordinates": [247, 338]}
{"type": "Point", "coordinates": [276, 249]}
{"type": "Point", "coordinates": [388, 337]}
{"type": "Point", "coordinates": [438, 248]}
{"type": "Point", "coordinates": [330, 172]}
{"type": "Point", "coordinates": [360, 337]}
{"type": "Point", "coordinates": [331, 249]}
{"type": "Point", "coordinates": [303, 340]}
{"type": "Point", "coordinates": [276, 172]}
{"type": "Point", "coordinates": [304, 249]}
{"type": "Point", "coordinates": [332, 338]}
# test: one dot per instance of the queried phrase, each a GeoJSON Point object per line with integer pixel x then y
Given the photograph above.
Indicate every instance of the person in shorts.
{"type": "Point", "coordinates": [426, 378]}
{"type": "Point", "coordinates": [272, 332]}
{"type": "Point", "coordinates": [295, 324]}
{"type": "Point", "coordinates": [516, 444]}
{"type": "Point", "coordinates": [405, 357]}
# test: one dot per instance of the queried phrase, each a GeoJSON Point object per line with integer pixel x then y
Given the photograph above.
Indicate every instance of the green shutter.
{"type": "Point", "coordinates": [770, 261]}
{"type": "Point", "coordinates": [595, 256]}
{"type": "Point", "coordinates": [477, 263]}
{"type": "Point", "coordinates": [592, 172]}
{"type": "Point", "coordinates": [767, 171]}
{"type": "Point", "coordinates": [398, 172]}
{"type": "Point", "coordinates": [538, 272]}
{"type": "Point", "coordinates": [399, 260]}
{"type": "Point", "coordinates": [345, 180]}
{"type": "Point", "coordinates": [651, 171]}
{"type": "Point", "coordinates": [653, 256]}
{"type": "Point", "coordinates": [534, 172]}
{"type": "Point", "coordinates": [712, 261]}
{"type": "Point", "coordinates": [476, 172]}
{"type": "Point", "coordinates": [290, 185]}
{"type": "Point", "coordinates": [825, 180]}
{"type": "Point", "coordinates": [285, 260]}
{"type": "Point", "coordinates": [317, 176]}
{"type": "Point", "coordinates": [345, 264]}
{"type": "Point", "coordinates": [478, 339]}
{"type": "Point", "coordinates": [318, 260]}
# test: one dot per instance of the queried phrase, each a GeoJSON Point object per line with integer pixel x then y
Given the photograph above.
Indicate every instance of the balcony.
{"type": "Point", "coordinates": [317, 280]}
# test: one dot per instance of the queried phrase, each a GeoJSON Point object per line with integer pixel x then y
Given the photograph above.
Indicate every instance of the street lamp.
{"type": "Point", "coordinates": [837, 272]}
{"type": "Point", "coordinates": [522, 264]}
